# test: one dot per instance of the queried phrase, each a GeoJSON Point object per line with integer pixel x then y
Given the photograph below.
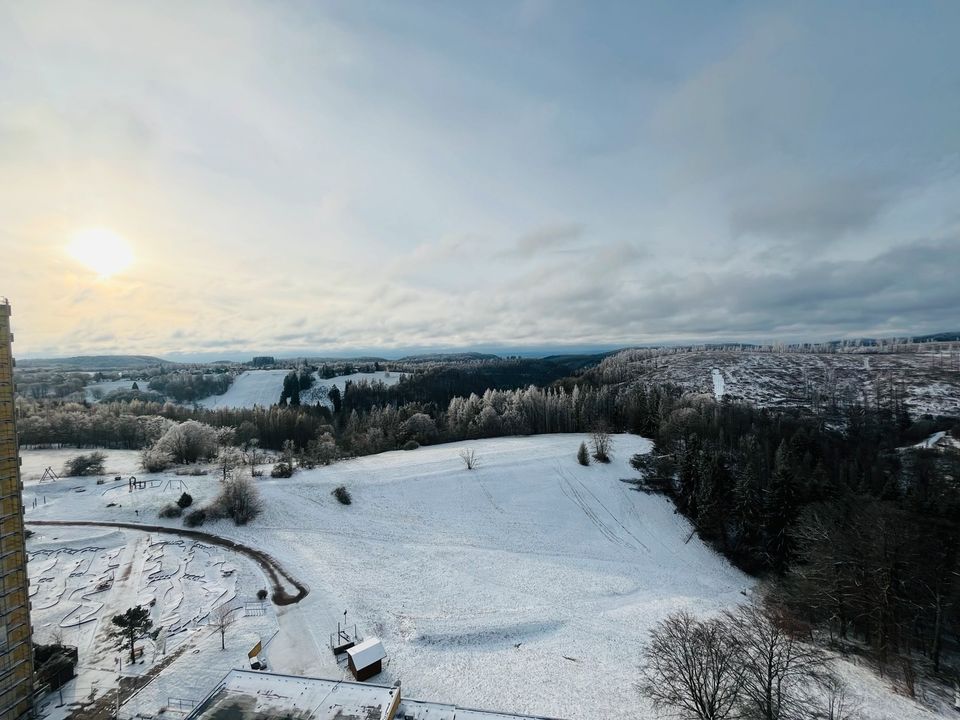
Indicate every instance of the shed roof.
{"type": "Point", "coordinates": [366, 653]}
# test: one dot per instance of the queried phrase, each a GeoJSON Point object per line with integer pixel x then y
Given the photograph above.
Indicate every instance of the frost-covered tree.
{"type": "Point", "coordinates": [91, 464]}
{"type": "Point", "coordinates": [189, 442]}
{"type": "Point", "coordinates": [420, 428]}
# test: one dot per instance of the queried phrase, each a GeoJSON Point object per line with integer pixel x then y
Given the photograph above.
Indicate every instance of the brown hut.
{"type": "Point", "coordinates": [366, 658]}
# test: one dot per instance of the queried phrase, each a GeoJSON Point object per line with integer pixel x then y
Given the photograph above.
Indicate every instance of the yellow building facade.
{"type": "Point", "coordinates": [16, 647]}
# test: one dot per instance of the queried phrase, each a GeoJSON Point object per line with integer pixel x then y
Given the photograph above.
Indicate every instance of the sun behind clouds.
{"type": "Point", "coordinates": [101, 250]}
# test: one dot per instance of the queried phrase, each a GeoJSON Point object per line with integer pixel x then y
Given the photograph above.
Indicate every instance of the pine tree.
{"type": "Point", "coordinates": [583, 455]}
{"type": "Point", "coordinates": [131, 625]}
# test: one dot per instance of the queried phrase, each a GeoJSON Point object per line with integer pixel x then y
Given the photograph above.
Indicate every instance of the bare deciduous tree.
{"type": "Point", "coordinates": [780, 673]}
{"type": "Point", "coordinates": [602, 444]}
{"type": "Point", "coordinates": [221, 619]}
{"type": "Point", "coordinates": [691, 668]}
{"type": "Point", "coordinates": [227, 462]}
{"type": "Point", "coordinates": [253, 456]}
{"type": "Point", "coordinates": [239, 499]}
{"type": "Point", "coordinates": [469, 457]}
{"type": "Point", "coordinates": [837, 703]}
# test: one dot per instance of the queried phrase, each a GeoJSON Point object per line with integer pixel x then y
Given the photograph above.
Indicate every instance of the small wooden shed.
{"type": "Point", "coordinates": [366, 658]}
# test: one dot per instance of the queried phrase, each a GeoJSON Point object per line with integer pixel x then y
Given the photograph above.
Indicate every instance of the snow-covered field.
{"type": "Point", "coordinates": [263, 388]}
{"type": "Point", "coordinates": [97, 391]}
{"type": "Point", "coordinates": [527, 584]}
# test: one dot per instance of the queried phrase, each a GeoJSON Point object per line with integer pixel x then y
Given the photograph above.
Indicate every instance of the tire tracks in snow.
{"type": "Point", "coordinates": [571, 492]}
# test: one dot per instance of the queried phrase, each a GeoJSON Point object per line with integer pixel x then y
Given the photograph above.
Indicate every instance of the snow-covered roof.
{"type": "Point", "coordinates": [251, 695]}
{"type": "Point", "coordinates": [366, 653]}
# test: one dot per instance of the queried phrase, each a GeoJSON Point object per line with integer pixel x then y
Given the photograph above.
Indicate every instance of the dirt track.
{"type": "Point", "coordinates": [271, 567]}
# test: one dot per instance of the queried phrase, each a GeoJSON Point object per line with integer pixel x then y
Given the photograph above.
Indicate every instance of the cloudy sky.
{"type": "Point", "coordinates": [336, 176]}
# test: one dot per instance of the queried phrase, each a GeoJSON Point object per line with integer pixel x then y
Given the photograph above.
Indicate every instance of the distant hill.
{"type": "Point", "coordinates": [449, 357]}
{"type": "Point", "coordinates": [95, 362]}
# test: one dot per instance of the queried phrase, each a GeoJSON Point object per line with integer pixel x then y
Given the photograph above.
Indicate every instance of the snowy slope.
{"type": "Point", "coordinates": [530, 581]}
{"type": "Point", "coordinates": [528, 584]}
{"type": "Point", "coordinates": [263, 387]}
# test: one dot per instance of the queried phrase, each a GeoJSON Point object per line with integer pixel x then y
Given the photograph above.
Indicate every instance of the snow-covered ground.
{"type": "Point", "coordinates": [97, 391]}
{"type": "Point", "coordinates": [527, 584]}
{"type": "Point", "coordinates": [718, 384]}
{"type": "Point", "coordinates": [263, 388]}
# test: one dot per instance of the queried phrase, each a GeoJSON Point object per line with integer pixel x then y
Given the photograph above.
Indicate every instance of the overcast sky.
{"type": "Point", "coordinates": [336, 176]}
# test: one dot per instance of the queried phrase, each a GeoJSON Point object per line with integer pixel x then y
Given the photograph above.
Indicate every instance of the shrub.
{"type": "Point", "coordinates": [195, 518]}
{"type": "Point", "coordinates": [281, 470]}
{"type": "Point", "coordinates": [171, 511]}
{"type": "Point", "coordinates": [91, 464]}
{"type": "Point", "coordinates": [261, 594]}
{"type": "Point", "coordinates": [188, 442]}
{"type": "Point", "coordinates": [155, 460]}
{"type": "Point", "coordinates": [602, 443]}
{"type": "Point", "coordinates": [238, 500]}
{"type": "Point", "coordinates": [185, 500]}
{"type": "Point", "coordinates": [469, 458]}
{"type": "Point", "coordinates": [583, 457]}
{"type": "Point", "coordinates": [411, 445]}
{"type": "Point", "coordinates": [342, 495]}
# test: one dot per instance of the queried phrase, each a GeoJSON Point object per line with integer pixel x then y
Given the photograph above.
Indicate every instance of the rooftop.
{"type": "Point", "coordinates": [252, 695]}
{"type": "Point", "coordinates": [366, 653]}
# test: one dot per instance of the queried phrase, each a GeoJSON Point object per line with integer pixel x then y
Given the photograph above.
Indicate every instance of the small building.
{"type": "Point", "coordinates": [366, 658]}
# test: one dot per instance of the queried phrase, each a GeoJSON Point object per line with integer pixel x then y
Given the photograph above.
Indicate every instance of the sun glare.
{"type": "Point", "coordinates": [102, 250]}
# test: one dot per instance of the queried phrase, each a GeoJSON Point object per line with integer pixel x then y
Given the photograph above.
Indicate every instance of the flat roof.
{"type": "Point", "coordinates": [253, 695]}
{"type": "Point", "coordinates": [257, 695]}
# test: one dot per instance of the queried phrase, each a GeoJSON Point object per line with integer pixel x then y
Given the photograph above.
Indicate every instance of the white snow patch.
{"type": "Point", "coordinates": [718, 384]}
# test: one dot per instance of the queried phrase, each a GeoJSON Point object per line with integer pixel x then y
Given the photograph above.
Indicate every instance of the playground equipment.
{"type": "Point", "coordinates": [49, 475]}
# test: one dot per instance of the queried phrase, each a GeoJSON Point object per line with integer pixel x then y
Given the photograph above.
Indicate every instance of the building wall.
{"type": "Point", "coordinates": [16, 648]}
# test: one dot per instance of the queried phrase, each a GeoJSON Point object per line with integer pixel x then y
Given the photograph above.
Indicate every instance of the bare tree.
{"type": "Point", "coordinates": [836, 702]}
{"type": "Point", "coordinates": [239, 499]}
{"type": "Point", "coordinates": [227, 462]}
{"type": "Point", "coordinates": [691, 668]}
{"type": "Point", "coordinates": [602, 445]}
{"type": "Point", "coordinates": [253, 456]}
{"type": "Point", "coordinates": [221, 619]}
{"type": "Point", "coordinates": [469, 457]}
{"type": "Point", "coordinates": [781, 674]}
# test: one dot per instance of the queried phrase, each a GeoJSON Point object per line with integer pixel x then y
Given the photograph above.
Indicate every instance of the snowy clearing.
{"type": "Point", "coordinates": [263, 388]}
{"type": "Point", "coordinates": [718, 385]}
{"type": "Point", "coordinates": [95, 392]}
{"type": "Point", "coordinates": [527, 584]}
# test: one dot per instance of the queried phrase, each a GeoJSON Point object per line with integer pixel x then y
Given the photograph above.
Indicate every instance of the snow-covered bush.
{"type": "Point", "coordinates": [342, 495]}
{"type": "Point", "coordinates": [239, 500]}
{"type": "Point", "coordinates": [153, 459]}
{"type": "Point", "coordinates": [189, 442]}
{"type": "Point", "coordinates": [281, 470]}
{"type": "Point", "coordinates": [91, 464]}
